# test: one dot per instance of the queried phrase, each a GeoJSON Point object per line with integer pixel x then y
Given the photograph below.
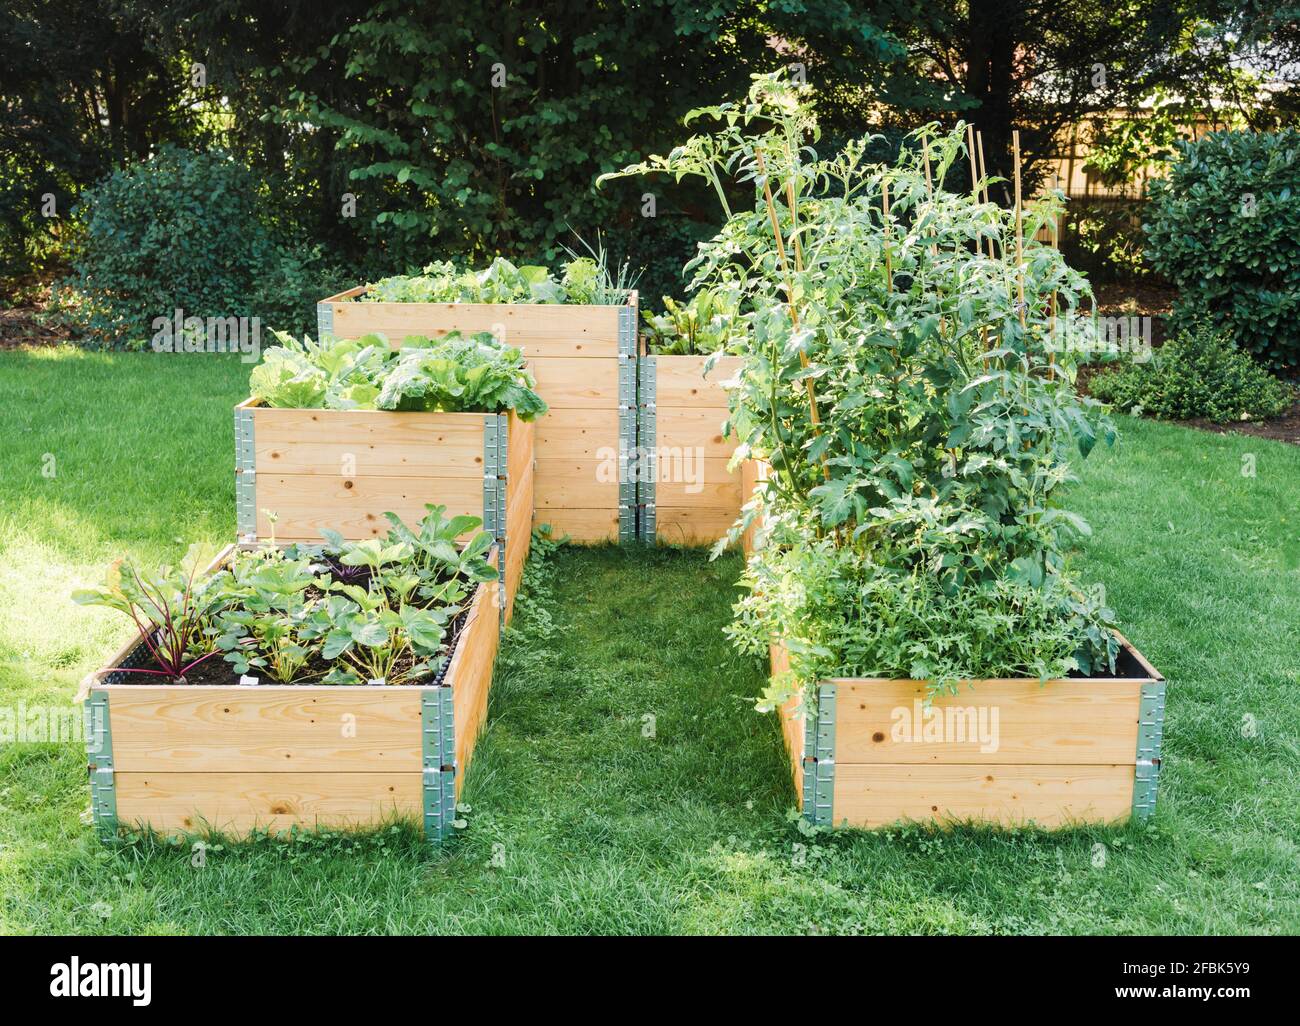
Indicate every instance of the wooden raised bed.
{"type": "Point", "coordinates": [1067, 752]}
{"type": "Point", "coordinates": [188, 758]}
{"type": "Point", "coordinates": [681, 413]}
{"type": "Point", "coordinates": [584, 359]}
{"type": "Point", "coordinates": [344, 469]}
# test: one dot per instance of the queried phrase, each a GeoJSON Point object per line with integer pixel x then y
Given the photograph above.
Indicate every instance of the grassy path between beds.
{"type": "Point", "coordinates": [625, 784]}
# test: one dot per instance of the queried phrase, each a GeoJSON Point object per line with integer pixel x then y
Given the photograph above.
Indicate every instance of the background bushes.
{"type": "Point", "coordinates": [1198, 373]}
{"type": "Point", "coordinates": [186, 230]}
{"type": "Point", "coordinates": [1224, 227]}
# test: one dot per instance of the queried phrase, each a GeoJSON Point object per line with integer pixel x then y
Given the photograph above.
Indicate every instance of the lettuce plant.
{"type": "Point", "coordinates": [452, 374]}
{"type": "Point", "coordinates": [584, 279]}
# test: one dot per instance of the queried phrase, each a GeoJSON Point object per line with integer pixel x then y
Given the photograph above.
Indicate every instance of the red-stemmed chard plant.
{"type": "Point", "coordinates": [171, 609]}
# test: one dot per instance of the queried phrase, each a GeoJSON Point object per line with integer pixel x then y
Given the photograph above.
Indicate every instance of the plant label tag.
{"type": "Point", "coordinates": [378, 682]}
{"type": "Point", "coordinates": [247, 682]}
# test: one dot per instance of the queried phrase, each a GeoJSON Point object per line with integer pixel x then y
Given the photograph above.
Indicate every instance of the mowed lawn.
{"type": "Point", "coordinates": [580, 822]}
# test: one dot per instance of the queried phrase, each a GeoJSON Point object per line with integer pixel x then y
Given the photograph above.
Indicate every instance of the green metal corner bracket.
{"type": "Point", "coordinates": [99, 760]}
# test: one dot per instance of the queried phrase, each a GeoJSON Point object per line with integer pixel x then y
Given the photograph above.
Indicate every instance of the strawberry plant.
{"type": "Point", "coordinates": [343, 612]}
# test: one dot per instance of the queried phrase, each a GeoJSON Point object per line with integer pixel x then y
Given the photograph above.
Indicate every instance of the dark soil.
{"type": "Point", "coordinates": [27, 322]}
{"type": "Point", "coordinates": [1285, 428]}
{"type": "Point", "coordinates": [216, 671]}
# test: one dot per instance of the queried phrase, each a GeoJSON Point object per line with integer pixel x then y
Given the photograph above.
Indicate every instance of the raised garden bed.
{"type": "Point", "coordinates": [584, 359]}
{"type": "Point", "coordinates": [1006, 752]}
{"type": "Point", "coordinates": [343, 469]}
{"type": "Point", "coordinates": [686, 494]}
{"type": "Point", "coordinates": [235, 758]}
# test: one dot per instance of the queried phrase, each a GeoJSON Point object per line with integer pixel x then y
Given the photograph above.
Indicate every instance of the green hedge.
{"type": "Point", "coordinates": [1224, 227]}
{"type": "Point", "coordinates": [190, 231]}
{"type": "Point", "coordinates": [1199, 373]}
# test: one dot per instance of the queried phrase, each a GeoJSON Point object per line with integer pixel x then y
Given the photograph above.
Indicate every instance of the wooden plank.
{"type": "Point", "coordinates": [236, 803]}
{"type": "Point", "coordinates": [692, 527]}
{"type": "Point", "coordinates": [264, 729]}
{"type": "Point", "coordinates": [687, 482]}
{"type": "Point", "coordinates": [519, 526]}
{"type": "Point", "coordinates": [470, 674]}
{"type": "Point", "coordinates": [585, 526]}
{"type": "Point", "coordinates": [542, 331]}
{"type": "Point", "coordinates": [687, 429]}
{"type": "Point", "coordinates": [568, 384]}
{"type": "Point", "coordinates": [576, 434]}
{"type": "Point", "coordinates": [752, 472]}
{"type": "Point", "coordinates": [355, 506]}
{"type": "Point", "coordinates": [519, 447]}
{"type": "Point", "coordinates": [792, 718]}
{"type": "Point", "coordinates": [576, 484]}
{"type": "Point", "coordinates": [874, 795]}
{"type": "Point", "coordinates": [1065, 722]}
{"type": "Point", "coordinates": [358, 443]}
{"type": "Point", "coordinates": [681, 381]}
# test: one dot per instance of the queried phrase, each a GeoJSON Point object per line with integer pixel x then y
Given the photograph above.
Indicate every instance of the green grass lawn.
{"type": "Point", "coordinates": [580, 822]}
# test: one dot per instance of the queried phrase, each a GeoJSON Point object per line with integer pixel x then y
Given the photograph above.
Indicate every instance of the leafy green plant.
{"type": "Point", "coordinates": [341, 612]}
{"type": "Point", "coordinates": [368, 639]}
{"type": "Point", "coordinates": [701, 325]}
{"type": "Point", "coordinates": [1224, 227]}
{"type": "Point", "coordinates": [187, 230]}
{"type": "Point", "coordinates": [264, 627]}
{"type": "Point", "coordinates": [447, 571]}
{"type": "Point", "coordinates": [584, 279]}
{"type": "Point", "coordinates": [454, 374]}
{"type": "Point", "coordinates": [171, 608]}
{"type": "Point", "coordinates": [1197, 373]}
{"type": "Point", "coordinates": [900, 376]}
{"type": "Point", "coordinates": [451, 374]}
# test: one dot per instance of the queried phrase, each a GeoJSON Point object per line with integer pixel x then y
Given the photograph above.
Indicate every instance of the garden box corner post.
{"type": "Point", "coordinates": [686, 494]}
{"type": "Point", "coordinates": [585, 362]}
{"type": "Point", "coordinates": [1005, 752]}
{"type": "Point", "coordinates": [343, 469]}
{"type": "Point", "coordinates": [180, 759]}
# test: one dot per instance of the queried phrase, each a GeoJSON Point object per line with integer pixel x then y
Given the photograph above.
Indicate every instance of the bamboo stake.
{"type": "Point", "coordinates": [789, 288]}
{"type": "Point", "coordinates": [970, 152]}
{"type": "Point", "coordinates": [975, 195]}
{"type": "Point", "coordinates": [884, 211]}
{"type": "Point", "coordinates": [1020, 267]}
{"type": "Point", "coordinates": [1051, 353]}
{"type": "Point", "coordinates": [929, 189]}
{"type": "Point", "coordinates": [984, 172]}
{"type": "Point", "coordinates": [1020, 264]}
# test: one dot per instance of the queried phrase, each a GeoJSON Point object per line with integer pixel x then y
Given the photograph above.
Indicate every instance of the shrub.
{"type": "Point", "coordinates": [183, 230]}
{"type": "Point", "coordinates": [1198, 373]}
{"type": "Point", "coordinates": [1225, 228]}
